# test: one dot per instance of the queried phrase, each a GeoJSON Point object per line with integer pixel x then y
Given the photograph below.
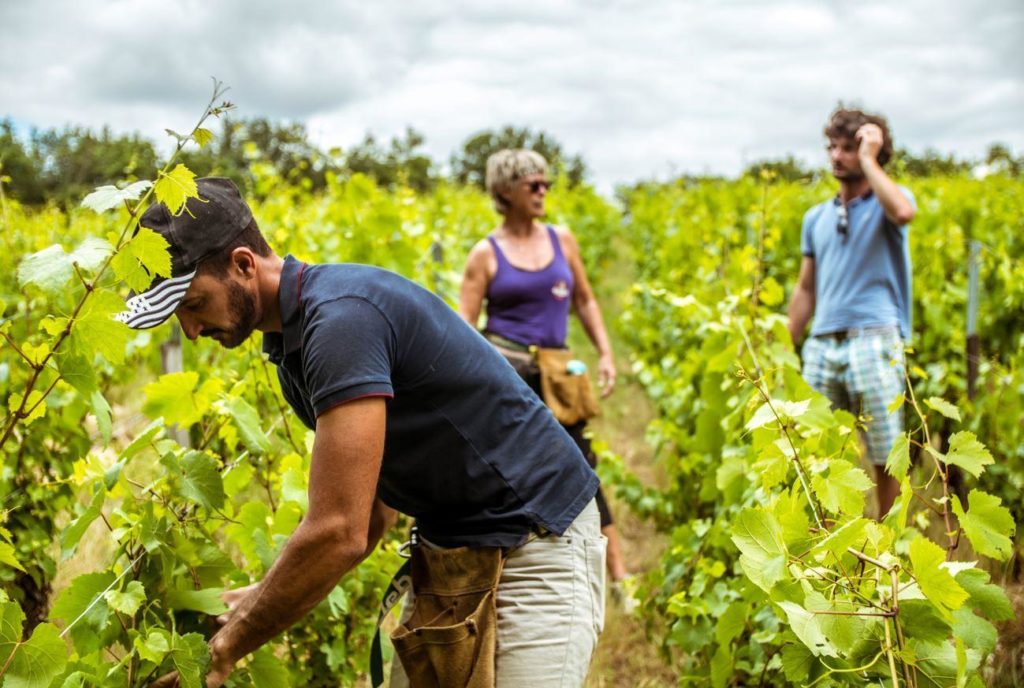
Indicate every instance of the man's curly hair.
{"type": "Point", "coordinates": [843, 123]}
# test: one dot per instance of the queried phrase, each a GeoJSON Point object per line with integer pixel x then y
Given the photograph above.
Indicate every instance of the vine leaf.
{"type": "Point", "coordinates": [976, 632]}
{"type": "Point", "coordinates": [944, 407]}
{"type": "Point", "coordinates": [202, 136]}
{"type": "Point", "coordinates": [763, 555]}
{"type": "Point", "coordinates": [70, 536]}
{"type": "Point", "coordinates": [935, 582]}
{"type": "Point", "coordinates": [174, 188]}
{"type": "Point", "coordinates": [77, 371]}
{"type": "Point", "coordinates": [8, 557]}
{"type": "Point", "coordinates": [967, 452]}
{"type": "Point", "coordinates": [191, 657]}
{"type": "Point", "coordinates": [200, 479]}
{"type": "Point", "coordinates": [75, 600]}
{"type": "Point", "coordinates": [35, 402]}
{"type": "Point", "coordinates": [106, 197]}
{"type": "Point", "coordinates": [989, 599]}
{"type": "Point", "coordinates": [11, 620]}
{"type": "Point", "coordinates": [842, 491]}
{"type": "Point", "coordinates": [987, 524]}
{"type": "Point", "coordinates": [267, 671]}
{"type": "Point", "coordinates": [154, 647]}
{"type": "Point", "coordinates": [142, 257]}
{"type": "Point", "coordinates": [129, 600]}
{"type": "Point", "coordinates": [37, 661]}
{"type": "Point", "coordinates": [248, 423]}
{"type": "Point", "coordinates": [839, 540]}
{"type": "Point", "coordinates": [49, 269]}
{"type": "Point", "coordinates": [91, 253]}
{"type": "Point", "coordinates": [805, 625]}
{"type": "Point", "coordinates": [171, 397]}
{"type": "Point", "coordinates": [103, 414]}
{"type": "Point", "coordinates": [207, 600]}
{"type": "Point", "coordinates": [785, 409]}
{"type": "Point", "coordinates": [95, 331]}
{"type": "Point", "coordinates": [898, 461]}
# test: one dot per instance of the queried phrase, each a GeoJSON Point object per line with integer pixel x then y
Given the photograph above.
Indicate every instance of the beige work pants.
{"type": "Point", "coordinates": [550, 608]}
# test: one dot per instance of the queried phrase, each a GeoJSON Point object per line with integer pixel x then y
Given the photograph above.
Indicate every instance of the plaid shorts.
{"type": "Point", "coordinates": [861, 371]}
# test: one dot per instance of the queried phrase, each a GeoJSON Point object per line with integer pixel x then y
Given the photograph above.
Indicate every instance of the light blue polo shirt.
{"type": "Point", "coordinates": [863, 279]}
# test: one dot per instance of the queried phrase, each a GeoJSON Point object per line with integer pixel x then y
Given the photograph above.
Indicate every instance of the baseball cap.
{"type": "Point", "coordinates": [204, 227]}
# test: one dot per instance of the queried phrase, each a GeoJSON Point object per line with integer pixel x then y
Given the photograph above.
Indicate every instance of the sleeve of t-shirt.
{"type": "Point", "coordinates": [348, 350]}
{"type": "Point", "coordinates": [910, 197]}
{"type": "Point", "coordinates": [806, 242]}
{"type": "Point", "coordinates": [913, 204]}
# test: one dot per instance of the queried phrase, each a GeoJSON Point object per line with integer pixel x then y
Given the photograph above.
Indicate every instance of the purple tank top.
{"type": "Point", "coordinates": [530, 306]}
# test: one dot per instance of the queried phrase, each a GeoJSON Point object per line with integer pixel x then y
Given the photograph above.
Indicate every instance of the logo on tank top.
{"type": "Point", "coordinates": [560, 291]}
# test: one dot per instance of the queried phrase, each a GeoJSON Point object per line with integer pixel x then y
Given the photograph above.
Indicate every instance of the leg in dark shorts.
{"type": "Point", "coordinates": [576, 433]}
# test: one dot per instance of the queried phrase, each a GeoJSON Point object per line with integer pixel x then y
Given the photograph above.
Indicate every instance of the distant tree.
{"type": "Point", "coordinates": [400, 163]}
{"type": "Point", "coordinates": [787, 169]}
{"type": "Point", "coordinates": [469, 166]}
{"type": "Point", "coordinates": [930, 163]}
{"type": "Point", "coordinates": [18, 166]}
{"type": "Point", "coordinates": [70, 163]}
{"type": "Point", "coordinates": [284, 145]}
{"type": "Point", "coordinates": [1000, 158]}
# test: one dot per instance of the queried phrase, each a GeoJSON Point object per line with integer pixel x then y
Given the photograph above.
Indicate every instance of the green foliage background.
{"type": "Point", "coordinates": [773, 574]}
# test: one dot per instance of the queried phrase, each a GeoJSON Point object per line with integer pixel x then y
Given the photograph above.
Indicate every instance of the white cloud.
{"type": "Point", "coordinates": [639, 88]}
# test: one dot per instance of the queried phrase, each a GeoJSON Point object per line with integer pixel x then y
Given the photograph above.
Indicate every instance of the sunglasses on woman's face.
{"type": "Point", "coordinates": [538, 185]}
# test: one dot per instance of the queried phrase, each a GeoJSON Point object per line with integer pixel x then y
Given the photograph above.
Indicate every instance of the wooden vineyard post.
{"type": "Point", "coordinates": [973, 343]}
{"type": "Point", "coordinates": [171, 362]}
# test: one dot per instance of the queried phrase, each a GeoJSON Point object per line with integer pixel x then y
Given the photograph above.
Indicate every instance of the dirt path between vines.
{"type": "Point", "coordinates": [625, 657]}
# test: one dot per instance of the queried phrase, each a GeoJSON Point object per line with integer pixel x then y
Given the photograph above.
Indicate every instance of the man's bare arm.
{"type": "Point", "coordinates": [801, 303]}
{"type": "Point", "coordinates": [338, 531]}
{"type": "Point", "coordinates": [896, 206]}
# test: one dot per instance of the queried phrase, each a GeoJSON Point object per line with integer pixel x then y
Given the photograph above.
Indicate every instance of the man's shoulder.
{"type": "Point", "coordinates": [331, 281]}
{"type": "Point", "coordinates": [817, 210]}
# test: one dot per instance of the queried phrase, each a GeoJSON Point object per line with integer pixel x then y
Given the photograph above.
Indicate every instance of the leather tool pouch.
{"type": "Point", "coordinates": [449, 640]}
{"type": "Point", "coordinates": [569, 396]}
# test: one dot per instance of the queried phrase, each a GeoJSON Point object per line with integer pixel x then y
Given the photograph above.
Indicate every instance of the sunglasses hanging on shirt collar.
{"type": "Point", "coordinates": [843, 221]}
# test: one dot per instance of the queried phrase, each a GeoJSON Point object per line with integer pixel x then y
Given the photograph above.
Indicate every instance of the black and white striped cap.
{"type": "Point", "coordinates": [205, 226]}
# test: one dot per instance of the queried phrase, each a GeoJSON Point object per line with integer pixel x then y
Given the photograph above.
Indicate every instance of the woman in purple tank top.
{"type": "Point", "coordinates": [530, 276]}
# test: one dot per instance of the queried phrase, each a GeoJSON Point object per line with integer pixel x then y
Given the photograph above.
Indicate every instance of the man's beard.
{"type": "Point", "coordinates": [847, 175]}
{"type": "Point", "coordinates": [242, 306]}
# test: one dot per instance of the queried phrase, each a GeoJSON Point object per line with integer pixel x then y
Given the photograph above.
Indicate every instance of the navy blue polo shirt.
{"type": "Point", "coordinates": [470, 451]}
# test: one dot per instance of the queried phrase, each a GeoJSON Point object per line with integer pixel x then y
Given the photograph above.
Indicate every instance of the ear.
{"type": "Point", "coordinates": [243, 262]}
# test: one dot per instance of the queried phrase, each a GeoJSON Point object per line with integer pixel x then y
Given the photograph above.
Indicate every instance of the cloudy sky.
{"type": "Point", "coordinates": [640, 89]}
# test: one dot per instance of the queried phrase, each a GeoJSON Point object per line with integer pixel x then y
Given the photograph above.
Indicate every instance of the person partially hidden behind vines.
{"type": "Point", "coordinates": [855, 281]}
{"type": "Point", "coordinates": [531, 274]}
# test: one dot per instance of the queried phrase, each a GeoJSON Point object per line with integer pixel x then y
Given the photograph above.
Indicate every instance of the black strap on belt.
{"type": "Point", "coordinates": [399, 585]}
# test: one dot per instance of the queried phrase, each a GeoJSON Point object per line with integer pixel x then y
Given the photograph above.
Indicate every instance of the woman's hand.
{"type": "Point", "coordinates": [606, 374]}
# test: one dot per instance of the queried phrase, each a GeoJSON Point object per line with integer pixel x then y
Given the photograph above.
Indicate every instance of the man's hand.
{"type": "Point", "coordinates": [233, 598]}
{"type": "Point", "coordinates": [870, 140]}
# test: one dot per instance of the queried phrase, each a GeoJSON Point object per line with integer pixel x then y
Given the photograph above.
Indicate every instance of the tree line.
{"type": "Point", "coordinates": [63, 165]}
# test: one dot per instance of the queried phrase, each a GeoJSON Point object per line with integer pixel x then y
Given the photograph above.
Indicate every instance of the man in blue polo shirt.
{"type": "Point", "coordinates": [855, 281]}
{"type": "Point", "coordinates": [412, 411]}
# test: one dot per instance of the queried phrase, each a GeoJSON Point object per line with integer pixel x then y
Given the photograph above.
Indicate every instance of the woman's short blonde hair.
{"type": "Point", "coordinates": [508, 166]}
